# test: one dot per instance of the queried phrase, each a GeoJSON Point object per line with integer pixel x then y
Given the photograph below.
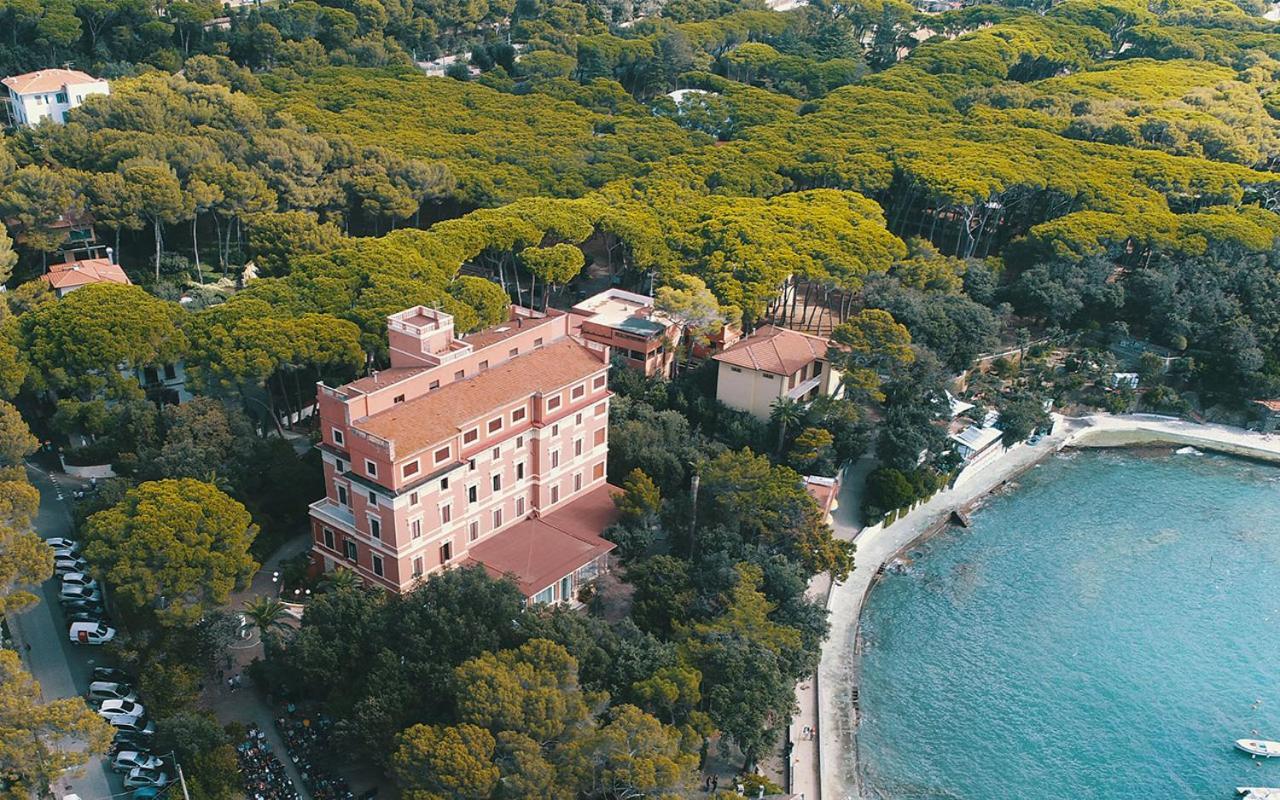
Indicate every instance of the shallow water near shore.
{"type": "Point", "coordinates": [1105, 630]}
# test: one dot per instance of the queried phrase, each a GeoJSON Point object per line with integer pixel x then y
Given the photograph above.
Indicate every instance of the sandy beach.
{"type": "Point", "coordinates": [827, 765]}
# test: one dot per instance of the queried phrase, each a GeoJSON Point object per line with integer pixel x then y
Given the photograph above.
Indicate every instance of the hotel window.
{"type": "Point", "coordinates": [398, 399]}
{"type": "Point", "coordinates": [555, 458]}
{"type": "Point", "coordinates": [519, 442]}
{"type": "Point", "coordinates": [470, 436]}
{"type": "Point", "coordinates": [352, 551]}
{"type": "Point", "coordinates": [555, 495]}
{"type": "Point", "coordinates": [519, 506]}
{"type": "Point", "coordinates": [497, 453]}
{"type": "Point", "coordinates": [371, 468]}
{"type": "Point", "coordinates": [328, 538]}
{"type": "Point", "coordinates": [373, 498]}
{"type": "Point", "coordinates": [768, 377]}
{"type": "Point", "coordinates": [497, 483]}
{"type": "Point", "coordinates": [471, 494]}
{"type": "Point", "coordinates": [553, 403]}
{"type": "Point", "coordinates": [484, 365]}
{"type": "Point", "coordinates": [61, 97]}
{"type": "Point", "coordinates": [446, 513]}
{"type": "Point", "coordinates": [339, 466]}
{"type": "Point", "coordinates": [473, 530]}
{"type": "Point", "coordinates": [377, 566]}
{"type": "Point", "coordinates": [375, 528]}
{"type": "Point", "coordinates": [520, 471]}
{"type": "Point", "coordinates": [513, 352]}
{"type": "Point", "coordinates": [578, 391]}
{"type": "Point", "coordinates": [555, 429]}
{"type": "Point", "coordinates": [537, 342]}
{"type": "Point", "coordinates": [471, 465]}
{"type": "Point", "coordinates": [517, 415]}
{"type": "Point", "coordinates": [417, 567]}
{"type": "Point", "coordinates": [411, 468]}
{"type": "Point", "coordinates": [442, 454]}
{"type": "Point", "coordinates": [497, 518]}
{"type": "Point", "coordinates": [460, 374]}
{"type": "Point", "coordinates": [444, 484]}
{"type": "Point", "coordinates": [415, 529]}
{"type": "Point", "coordinates": [600, 410]}
{"type": "Point", "coordinates": [577, 447]}
{"type": "Point", "coordinates": [577, 482]}
{"type": "Point", "coordinates": [413, 498]}
{"type": "Point", "coordinates": [337, 436]}
{"type": "Point", "coordinates": [446, 552]}
{"type": "Point", "coordinates": [597, 472]}
{"type": "Point", "coordinates": [545, 596]}
{"type": "Point", "coordinates": [342, 496]}
{"type": "Point", "coordinates": [578, 419]}
{"type": "Point", "coordinates": [434, 385]}
{"type": "Point", "coordinates": [599, 437]}
{"type": "Point", "coordinates": [598, 383]}
{"type": "Point", "coordinates": [734, 369]}
{"type": "Point", "coordinates": [495, 425]}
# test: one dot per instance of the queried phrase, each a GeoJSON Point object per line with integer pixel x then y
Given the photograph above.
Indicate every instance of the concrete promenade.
{"type": "Point", "coordinates": [826, 767]}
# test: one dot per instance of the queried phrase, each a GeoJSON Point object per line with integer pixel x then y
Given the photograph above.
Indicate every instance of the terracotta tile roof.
{"type": "Point", "coordinates": [781, 351]}
{"type": "Point", "coordinates": [74, 274]}
{"type": "Point", "coordinates": [538, 552]}
{"type": "Point", "coordinates": [438, 415]}
{"type": "Point", "coordinates": [1270, 405]}
{"type": "Point", "coordinates": [46, 80]}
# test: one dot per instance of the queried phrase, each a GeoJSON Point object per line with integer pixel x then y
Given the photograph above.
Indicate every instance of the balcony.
{"type": "Point", "coordinates": [333, 513]}
{"type": "Point", "coordinates": [804, 388]}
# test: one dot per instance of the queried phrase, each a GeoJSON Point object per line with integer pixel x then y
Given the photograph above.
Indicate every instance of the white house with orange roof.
{"type": "Point", "coordinates": [71, 275]}
{"type": "Point", "coordinates": [48, 94]}
{"type": "Point", "coordinates": [775, 362]}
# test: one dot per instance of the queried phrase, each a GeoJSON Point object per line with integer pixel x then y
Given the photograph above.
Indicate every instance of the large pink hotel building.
{"type": "Point", "coordinates": [486, 449]}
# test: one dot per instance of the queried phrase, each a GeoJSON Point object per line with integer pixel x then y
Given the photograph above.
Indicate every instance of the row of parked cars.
{"type": "Point", "coordinates": [80, 595]}
{"type": "Point", "coordinates": [112, 694]}
{"type": "Point", "coordinates": [111, 691]}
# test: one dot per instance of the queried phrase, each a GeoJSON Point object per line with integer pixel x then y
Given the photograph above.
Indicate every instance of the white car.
{"type": "Point", "coordinates": [146, 776]}
{"type": "Point", "coordinates": [121, 708]}
{"type": "Point", "coordinates": [127, 760]}
{"type": "Point", "coordinates": [91, 633]}
{"type": "Point", "coordinates": [78, 579]}
{"type": "Point", "coordinates": [63, 543]}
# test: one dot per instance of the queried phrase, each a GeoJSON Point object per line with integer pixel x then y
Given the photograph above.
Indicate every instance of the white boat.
{"type": "Point", "coordinates": [1259, 747]}
{"type": "Point", "coordinates": [1258, 792]}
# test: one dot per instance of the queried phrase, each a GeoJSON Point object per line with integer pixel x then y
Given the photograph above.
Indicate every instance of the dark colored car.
{"type": "Point", "coordinates": [111, 675]}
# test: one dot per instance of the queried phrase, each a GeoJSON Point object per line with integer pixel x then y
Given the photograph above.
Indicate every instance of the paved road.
{"type": "Point", "coordinates": [61, 667]}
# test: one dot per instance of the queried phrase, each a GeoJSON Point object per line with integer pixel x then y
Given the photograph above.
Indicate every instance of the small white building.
{"type": "Point", "coordinates": [771, 363]}
{"type": "Point", "coordinates": [48, 94]}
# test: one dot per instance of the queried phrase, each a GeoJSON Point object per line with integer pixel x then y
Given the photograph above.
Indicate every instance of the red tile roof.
{"type": "Point", "coordinates": [538, 552]}
{"type": "Point", "coordinates": [434, 417]}
{"type": "Point", "coordinates": [74, 274]}
{"type": "Point", "coordinates": [46, 80]}
{"type": "Point", "coordinates": [778, 350]}
{"type": "Point", "coordinates": [1270, 405]}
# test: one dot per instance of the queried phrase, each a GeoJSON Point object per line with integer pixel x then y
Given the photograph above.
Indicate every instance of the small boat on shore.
{"type": "Point", "coordinates": [1258, 792]}
{"type": "Point", "coordinates": [1259, 747]}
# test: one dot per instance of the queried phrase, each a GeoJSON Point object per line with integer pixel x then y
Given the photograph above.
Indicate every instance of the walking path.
{"type": "Point", "coordinates": [827, 700]}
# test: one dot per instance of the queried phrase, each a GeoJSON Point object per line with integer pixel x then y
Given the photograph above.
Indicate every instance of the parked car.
{"type": "Point", "coordinates": [70, 563]}
{"type": "Point", "coordinates": [100, 691]}
{"type": "Point", "coordinates": [130, 740]}
{"type": "Point", "coordinates": [62, 543]}
{"type": "Point", "coordinates": [145, 793]}
{"type": "Point", "coordinates": [133, 725]}
{"type": "Point", "coordinates": [110, 674]}
{"type": "Point", "coordinates": [144, 776]}
{"type": "Point", "coordinates": [78, 579]}
{"type": "Point", "coordinates": [73, 605]}
{"type": "Point", "coordinates": [81, 593]}
{"type": "Point", "coordinates": [91, 633]}
{"type": "Point", "coordinates": [121, 708]}
{"type": "Point", "coordinates": [87, 615]}
{"type": "Point", "coordinates": [127, 760]}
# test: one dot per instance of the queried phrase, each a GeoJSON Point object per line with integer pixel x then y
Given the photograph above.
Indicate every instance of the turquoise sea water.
{"type": "Point", "coordinates": [1104, 630]}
